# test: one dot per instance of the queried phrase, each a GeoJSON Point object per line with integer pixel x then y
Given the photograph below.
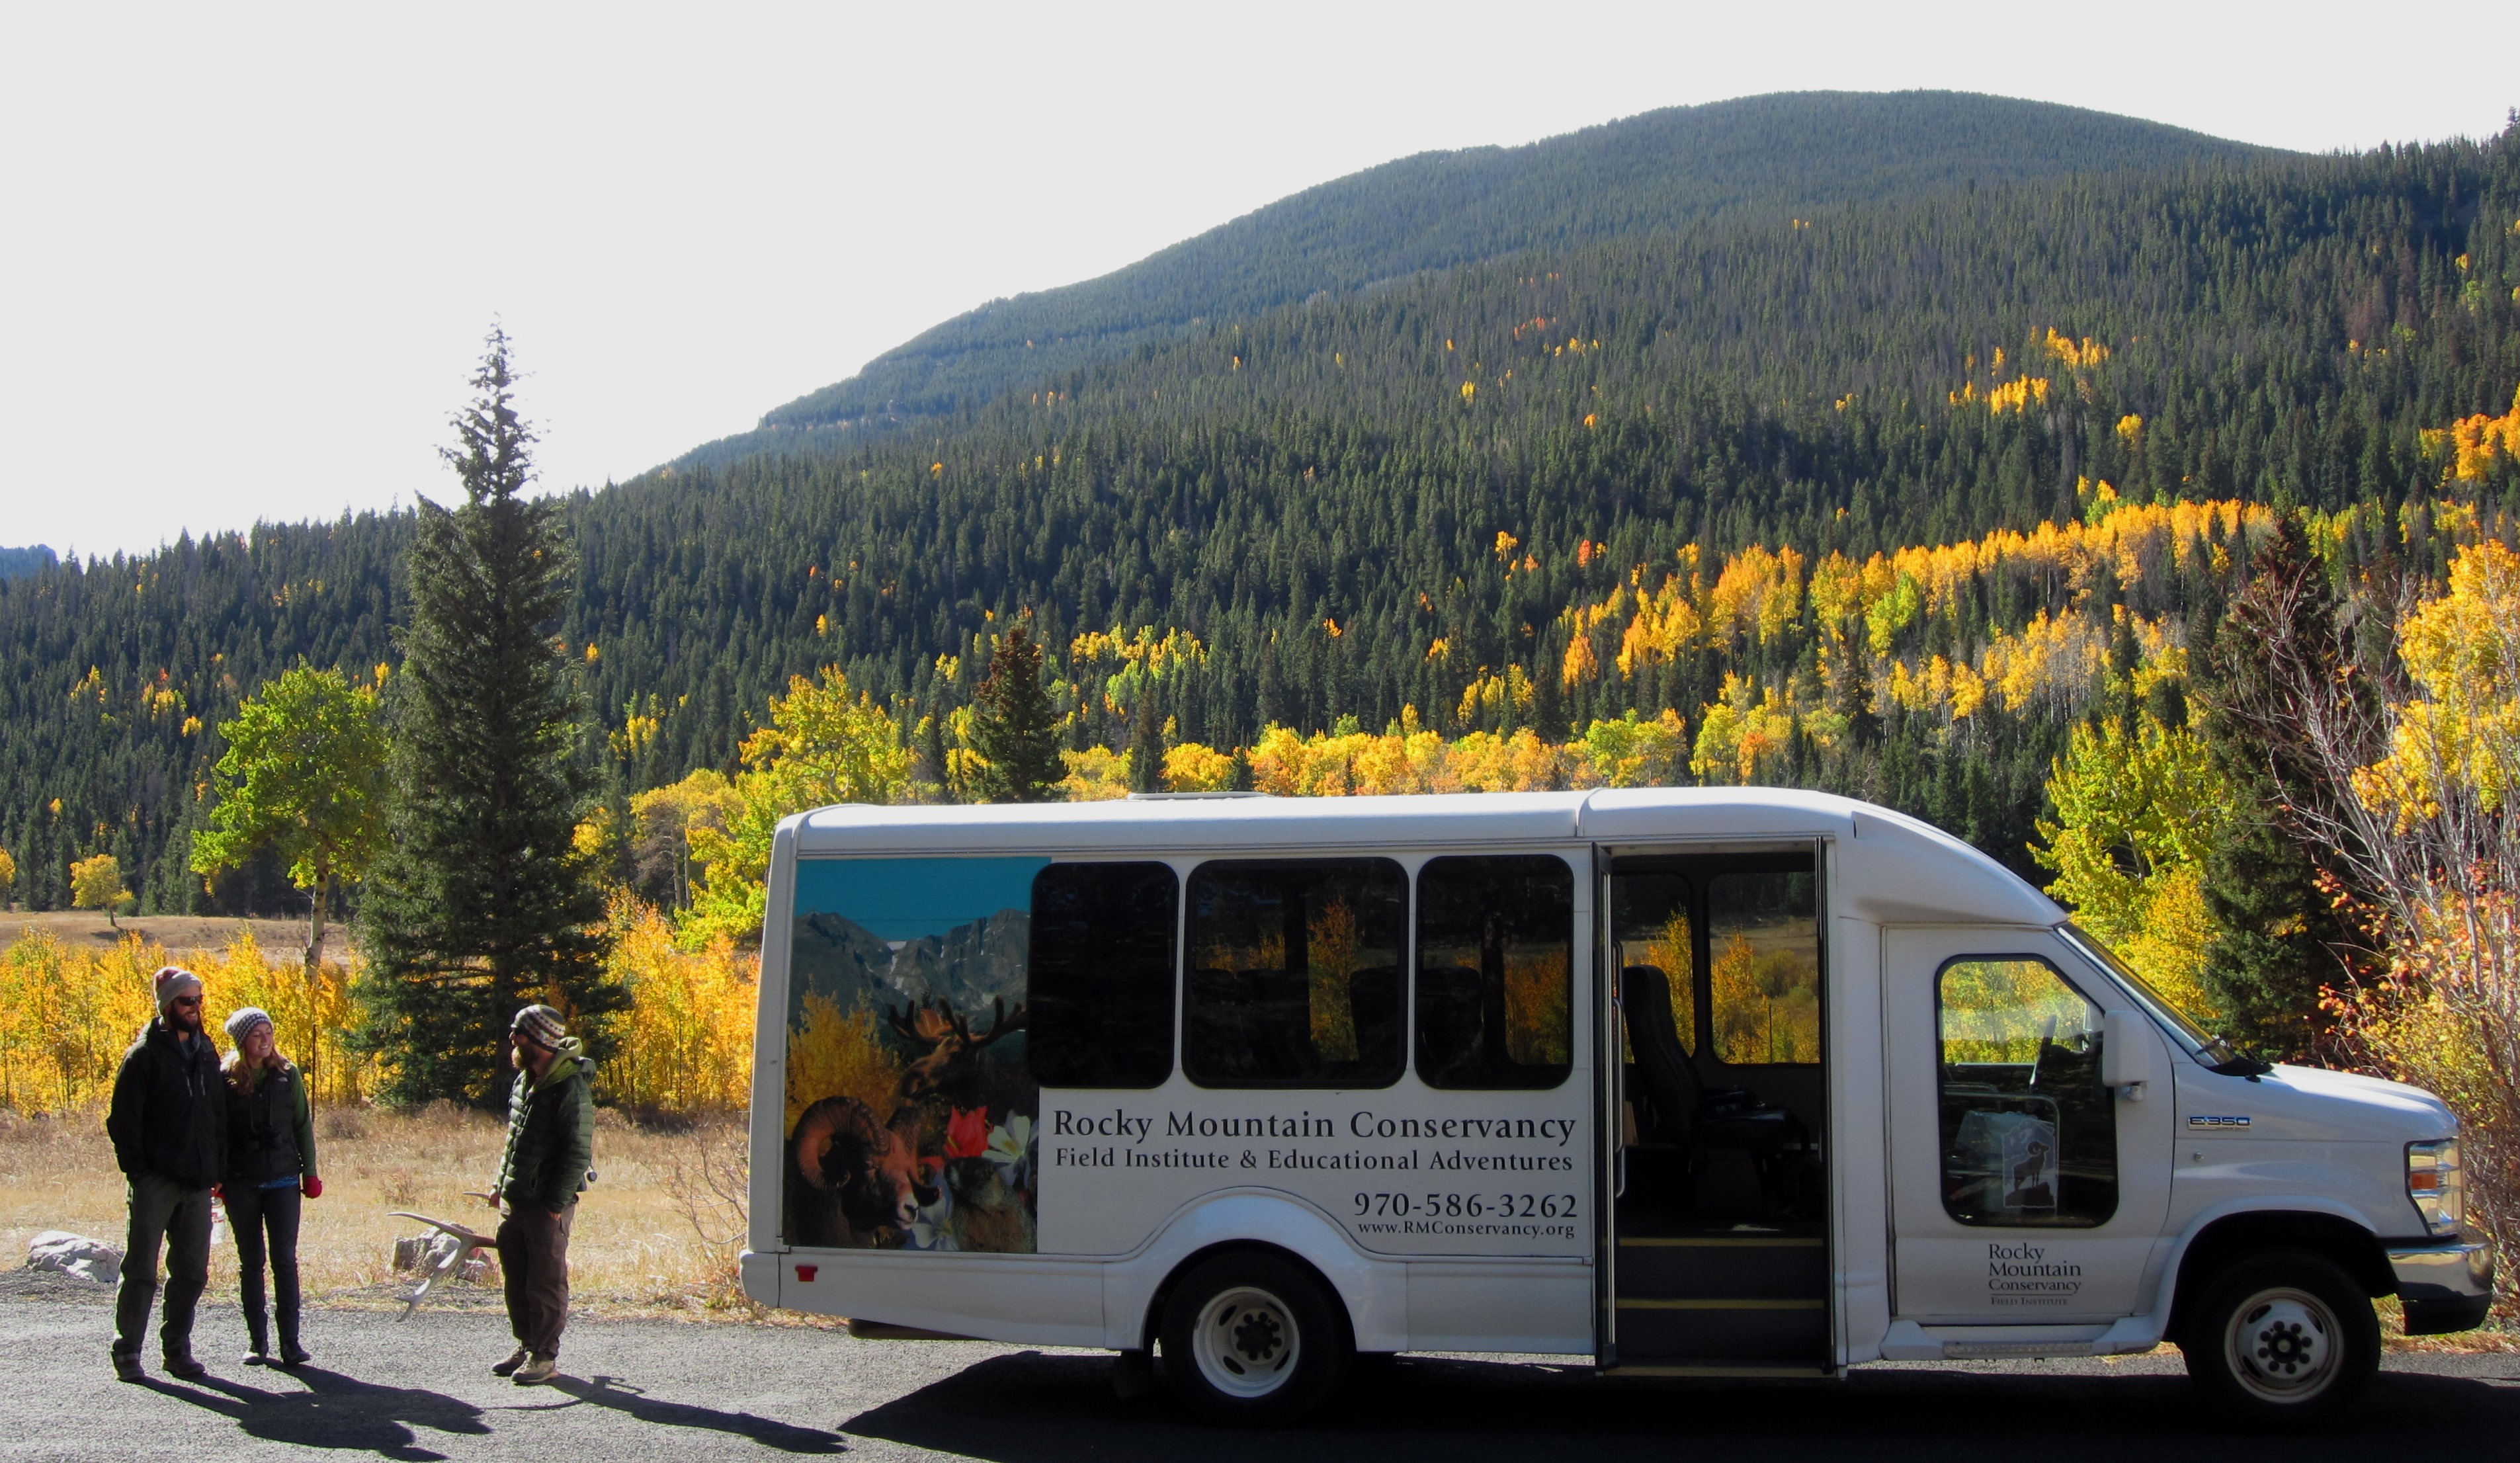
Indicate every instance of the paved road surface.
{"type": "Point", "coordinates": [656, 1389]}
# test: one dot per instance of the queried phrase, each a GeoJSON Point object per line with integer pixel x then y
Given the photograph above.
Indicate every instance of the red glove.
{"type": "Point", "coordinates": [311, 1186]}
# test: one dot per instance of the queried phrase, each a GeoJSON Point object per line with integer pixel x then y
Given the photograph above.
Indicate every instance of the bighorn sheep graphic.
{"type": "Point", "coordinates": [852, 1175]}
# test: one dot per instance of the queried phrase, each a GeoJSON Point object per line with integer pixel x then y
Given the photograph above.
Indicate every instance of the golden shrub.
{"type": "Point", "coordinates": [839, 1053]}
{"type": "Point", "coordinates": [68, 1015]}
{"type": "Point", "coordinates": [685, 1044]}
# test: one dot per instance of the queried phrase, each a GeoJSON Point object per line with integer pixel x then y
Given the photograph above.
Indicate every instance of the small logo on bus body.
{"type": "Point", "coordinates": [2216, 1120]}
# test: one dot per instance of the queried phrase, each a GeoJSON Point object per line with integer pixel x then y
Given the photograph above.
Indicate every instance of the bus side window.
{"type": "Point", "coordinates": [1495, 954]}
{"type": "Point", "coordinates": [1294, 973]}
{"type": "Point", "coordinates": [2029, 1135]}
{"type": "Point", "coordinates": [1102, 942]}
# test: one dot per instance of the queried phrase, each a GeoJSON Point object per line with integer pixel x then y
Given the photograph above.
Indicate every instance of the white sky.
{"type": "Point", "coordinates": [247, 252]}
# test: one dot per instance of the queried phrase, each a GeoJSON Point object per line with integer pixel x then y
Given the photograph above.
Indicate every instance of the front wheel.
{"type": "Point", "coordinates": [2282, 1340]}
{"type": "Point", "coordinates": [1253, 1340]}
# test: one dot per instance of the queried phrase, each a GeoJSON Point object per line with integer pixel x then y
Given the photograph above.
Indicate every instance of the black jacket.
{"type": "Point", "coordinates": [170, 1109]}
{"type": "Point", "coordinates": [271, 1130]}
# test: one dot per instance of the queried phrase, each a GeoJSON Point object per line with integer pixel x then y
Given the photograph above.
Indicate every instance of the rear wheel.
{"type": "Point", "coordinates": [2282, 1340]}
{"type": "Point", "coordinates": [1253, 1339]}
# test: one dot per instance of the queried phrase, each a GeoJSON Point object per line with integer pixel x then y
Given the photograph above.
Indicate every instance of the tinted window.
{"type": "Point", "coordinates": [1103, 938]}
{"type": "Point", "coordinates": [1294, 976]}
{"type": "Point", "coordinates": [1763, 967]}
{"type": "Point", "coordinates": [1496, 953]}
{"type": "Point", "coordinates": [2029, 1134]}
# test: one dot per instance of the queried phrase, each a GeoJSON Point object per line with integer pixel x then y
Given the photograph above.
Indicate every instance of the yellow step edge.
{"type": "Point", "coordinates": [1779, 1243]}
{"type": "Point", "coordinates": [1643, 1303]}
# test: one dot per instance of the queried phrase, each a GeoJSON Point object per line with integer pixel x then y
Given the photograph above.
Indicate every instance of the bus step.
{"type": "Point", "coordinates": [1723, 1269]}
{"type": "Point", "coordinates": [1709, 1330]}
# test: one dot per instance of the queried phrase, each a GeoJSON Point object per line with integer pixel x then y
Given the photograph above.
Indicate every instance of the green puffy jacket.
{"type": "Point", "coordinates": [551, 1133]}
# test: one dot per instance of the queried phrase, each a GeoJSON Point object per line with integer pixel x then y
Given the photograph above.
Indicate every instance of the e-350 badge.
{"type": "Point", "coordinates": [2216, 1120]}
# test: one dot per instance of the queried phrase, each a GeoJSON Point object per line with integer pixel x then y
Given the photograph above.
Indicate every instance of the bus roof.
{"type": "Point", "coordinates": [1888, 867]}
{"type": "Point", "coordinates": [1892, 869]}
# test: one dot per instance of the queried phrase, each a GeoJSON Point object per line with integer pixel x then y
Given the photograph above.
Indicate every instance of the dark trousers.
{"type": "Point", "coordinates": [265, 1221]}
{"type": "Point", "coordinates": [533, 1260]}
{"type": "Point", "coordinates": [165, 1213]}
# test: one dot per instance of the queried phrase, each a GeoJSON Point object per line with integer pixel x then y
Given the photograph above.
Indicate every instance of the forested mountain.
{"type": "Point", "coordinates": [1521, 492]}
{"type": "Point", "coordinates": [1379, 228]}
{"type": "Point", "coordinates": [27, 560]}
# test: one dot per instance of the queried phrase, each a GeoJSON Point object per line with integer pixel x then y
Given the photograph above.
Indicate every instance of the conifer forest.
{"type": "Point", "coordinates": [2035, 472]}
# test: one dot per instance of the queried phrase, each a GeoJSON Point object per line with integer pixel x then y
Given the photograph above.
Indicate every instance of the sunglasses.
{"type": "Point", "coordinates": [186, 1000]}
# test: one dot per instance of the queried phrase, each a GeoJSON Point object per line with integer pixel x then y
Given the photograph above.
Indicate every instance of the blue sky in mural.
{"type": "Point", "coordinates": [911, 899]}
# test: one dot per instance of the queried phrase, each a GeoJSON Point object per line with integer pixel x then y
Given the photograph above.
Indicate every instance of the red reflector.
{"type": "Point", "coordinates": [804, 1272]}
{"type": "Point", "coordinates": [2430, 1181]}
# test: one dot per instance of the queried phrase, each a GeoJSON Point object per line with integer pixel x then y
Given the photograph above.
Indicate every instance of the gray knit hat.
{"type": "Point", "coordinates": [172, 981]}
{"type": "Point", "coordinates": [241, 1024]}
{"type": "Point", "coordinates": [540, 1025]}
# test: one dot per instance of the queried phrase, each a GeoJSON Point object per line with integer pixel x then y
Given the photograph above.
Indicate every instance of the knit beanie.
{"type": "Point", "coordinates": [540, 1025]}
{"type": "Point", "coordinates": [241, 1025]}
{"type": "Point", "coordinates": [174, 980]}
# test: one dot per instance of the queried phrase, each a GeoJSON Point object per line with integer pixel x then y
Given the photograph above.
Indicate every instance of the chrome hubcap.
{"type": "Point", "coordinates": [1247, 1343]}
{"type": "Point", "coordinates": [2283, 1345]}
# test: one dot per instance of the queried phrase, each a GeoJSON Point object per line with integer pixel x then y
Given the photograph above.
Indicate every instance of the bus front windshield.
{"type": "Point", "coordinates": [2208, 1048]}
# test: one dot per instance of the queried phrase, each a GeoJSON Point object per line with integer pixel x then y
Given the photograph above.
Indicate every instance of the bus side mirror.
{"type": "Point", "coordinates": [2126, 1054]}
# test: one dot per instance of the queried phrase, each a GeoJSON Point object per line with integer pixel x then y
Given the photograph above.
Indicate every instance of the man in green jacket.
{"type": "Point", "coordinates": [551, 1141]}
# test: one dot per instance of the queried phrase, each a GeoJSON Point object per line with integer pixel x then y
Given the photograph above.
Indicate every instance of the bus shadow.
{"type": "Point", "coordinates": [1037, 1408]}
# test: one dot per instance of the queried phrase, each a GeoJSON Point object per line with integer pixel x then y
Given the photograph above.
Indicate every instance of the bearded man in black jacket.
{"type": "Point", "coordinates": [169, 1126]}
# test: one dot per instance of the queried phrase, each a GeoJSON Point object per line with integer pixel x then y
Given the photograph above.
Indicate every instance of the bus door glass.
{"type": "Point", "coordinates": [1721, 1253]}
{"type": "Point", "coordinates": [2024, 1189]}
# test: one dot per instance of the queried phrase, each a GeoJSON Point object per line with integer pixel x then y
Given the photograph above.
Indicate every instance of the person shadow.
{"type": "Point", "coordinates": [622, 1396]}
{"type": "Point", "coordinates": [344, 1413]}
{"type": "Point", "coordinates": [335, 1412]}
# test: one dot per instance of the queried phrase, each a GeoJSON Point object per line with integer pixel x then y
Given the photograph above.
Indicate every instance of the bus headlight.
{"type": "Point", "coordinates": [2434, 1182]}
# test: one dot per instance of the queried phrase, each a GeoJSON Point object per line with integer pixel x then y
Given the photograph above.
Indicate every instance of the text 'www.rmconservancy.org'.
{"type": "Point", "coordinates": [1449, 1226]}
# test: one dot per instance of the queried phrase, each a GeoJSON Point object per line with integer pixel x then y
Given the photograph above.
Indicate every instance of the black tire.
{"type": "Point", "coordinates": [1253, 1340]}
{"type": "Point", "coordinates": [2281, 1339]}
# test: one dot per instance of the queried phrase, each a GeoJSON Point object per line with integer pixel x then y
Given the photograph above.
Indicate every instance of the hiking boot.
{"type": "Point", "coordinates": [181, 1364]}
{"type": "Point", "coordinates": [537, 1370]}
{"type": "Point", "coordinates": [515, 1358]}
{"type": "Point", "coordinates": [126, 1367]}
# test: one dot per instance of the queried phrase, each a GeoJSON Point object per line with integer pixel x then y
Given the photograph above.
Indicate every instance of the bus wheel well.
{"type": "Point", "coordinates": [1152, 1321]}
{"type": "Point", "coordinates": [2351, 1246]}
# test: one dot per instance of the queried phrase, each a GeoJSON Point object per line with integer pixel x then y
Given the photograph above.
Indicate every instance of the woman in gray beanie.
{"type": "Point", "coordinates": [271, 1163]}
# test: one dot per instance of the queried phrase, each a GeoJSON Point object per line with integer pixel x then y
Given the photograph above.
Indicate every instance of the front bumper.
{"type": "Point", "coordinates": [2444, 1287]}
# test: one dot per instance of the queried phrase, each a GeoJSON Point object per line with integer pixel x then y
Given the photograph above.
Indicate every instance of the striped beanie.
{"type": "Point", "coordinates": [540, 1025]}
{"type": "Point", "coordinates": [241, 1025]}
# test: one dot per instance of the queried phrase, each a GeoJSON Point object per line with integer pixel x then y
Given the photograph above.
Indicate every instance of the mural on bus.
{"type": "Point", "coordinates": [911, 1106]}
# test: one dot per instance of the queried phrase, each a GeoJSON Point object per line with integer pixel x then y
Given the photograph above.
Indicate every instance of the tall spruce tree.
{"type": "Point", "coordinates": [481, 904]}
{"type": "Point", "coordinates": [1012, 725]}
{"type": "Point", "coordinates": [2276, 933]}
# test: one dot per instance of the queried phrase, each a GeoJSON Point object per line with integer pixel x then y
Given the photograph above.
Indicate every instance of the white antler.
{"type": "Point", "coordinates": [445, 1254]}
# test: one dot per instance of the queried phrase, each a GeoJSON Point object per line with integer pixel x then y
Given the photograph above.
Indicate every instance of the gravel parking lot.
{"type": "Point", "coordinates": [639, 1390]}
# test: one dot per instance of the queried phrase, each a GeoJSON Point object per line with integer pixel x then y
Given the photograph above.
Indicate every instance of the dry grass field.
{"type": "Point", "coordinates": [182, 935]}
{"type": "Point", "coordinates": [653, 1236]}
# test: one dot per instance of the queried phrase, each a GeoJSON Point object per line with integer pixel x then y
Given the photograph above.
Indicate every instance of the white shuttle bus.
{"type": "Point", "coordinates": [1690, 1083]}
